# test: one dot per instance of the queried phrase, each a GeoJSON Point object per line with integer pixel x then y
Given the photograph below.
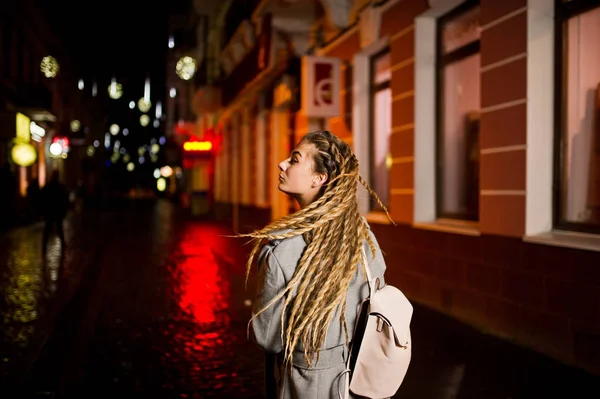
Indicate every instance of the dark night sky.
{"type": "Point", "coordinates": [126, 38]}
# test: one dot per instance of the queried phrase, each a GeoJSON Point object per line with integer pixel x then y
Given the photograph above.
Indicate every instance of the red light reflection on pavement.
{"type": "Point", "coordinates": [204, 288]}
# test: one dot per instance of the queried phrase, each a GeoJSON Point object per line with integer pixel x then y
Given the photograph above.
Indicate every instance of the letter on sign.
{"type": "Point", "coordinates": [321, 85]}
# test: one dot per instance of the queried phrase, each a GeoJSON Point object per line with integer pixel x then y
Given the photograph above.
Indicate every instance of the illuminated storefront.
{"type": "Point", "coordinates": [198, 165]}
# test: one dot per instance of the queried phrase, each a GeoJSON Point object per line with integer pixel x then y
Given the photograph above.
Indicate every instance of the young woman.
{"type": "Point", "coordinates": [311, 277]}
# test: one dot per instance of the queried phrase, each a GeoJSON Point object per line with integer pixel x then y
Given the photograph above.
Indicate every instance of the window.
{"type": "Point", "coordinates": [577, 172]}
{"type": "Point", "coordinates": [458, 108]}
{"type": "Point", "coordinates": [381, 122]}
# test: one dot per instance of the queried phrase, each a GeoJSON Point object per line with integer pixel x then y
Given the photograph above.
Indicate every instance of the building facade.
{"type": "Point", "coordinates": [476, 124]}
{"type": "Point", "coordinates": [40, 101]}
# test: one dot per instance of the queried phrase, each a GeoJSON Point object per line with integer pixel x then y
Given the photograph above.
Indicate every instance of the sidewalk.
{"type": "Point", "coordinates": [34, 288]}
{"type": "Point", "coordinates": [451, 360]}
{"type": "Point", "coordinates": [160, 310]}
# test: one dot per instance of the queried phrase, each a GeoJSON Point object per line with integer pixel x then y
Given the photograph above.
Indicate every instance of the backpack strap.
{"type": "Point", "coordinates": [365, 263]}
{"type": "Point", "coordinates": [346, 373]}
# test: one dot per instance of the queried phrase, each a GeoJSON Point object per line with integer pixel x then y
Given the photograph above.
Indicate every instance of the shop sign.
{"type": "Point", "coordinates": [197, 146]}
{"type": "Point", "coordinates": [37, 132]}
{"type": "Point", "coordinates": [23, 125]}
{"type": "Point", "coordinates": [321, 86]}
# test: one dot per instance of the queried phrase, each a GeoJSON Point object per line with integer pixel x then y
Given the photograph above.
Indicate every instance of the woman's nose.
{"type": "Point", "coordinates": [283, 165]}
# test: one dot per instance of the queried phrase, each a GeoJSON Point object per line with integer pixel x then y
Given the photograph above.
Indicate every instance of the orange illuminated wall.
{"type": "Point", "coordinates": [268, 178]}
{"type": "Point", "coordinates": [503, 45]}
{"type": "Point", "coordinates": [228, 150]}
{"type": "Point", "coordinates": [345, 49]}
{"type": "Point", "coordinates": [398, 23]}
{"type": "Point", "coordinates": [252, 158]}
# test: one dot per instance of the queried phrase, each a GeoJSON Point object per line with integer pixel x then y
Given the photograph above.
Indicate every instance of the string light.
{"type": "Point", "coordinates": [186, 67]}
{"type": "Point", "coordinates": [49, 66]}
{"type": "Point", "coordinates": [115, 90]}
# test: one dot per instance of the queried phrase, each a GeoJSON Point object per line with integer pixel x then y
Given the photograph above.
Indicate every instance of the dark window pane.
{"type": "Point", "coordinates": [459, 104]}
{"type": "Point", "coordinates": [580, 189]}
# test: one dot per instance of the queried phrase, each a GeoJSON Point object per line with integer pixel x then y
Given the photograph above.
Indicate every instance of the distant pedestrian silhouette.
{"type": "Point", "coordinates": [55, 201]}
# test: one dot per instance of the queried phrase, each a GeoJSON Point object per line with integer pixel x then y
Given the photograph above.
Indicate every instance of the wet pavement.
{"type": "Point", "coordinates": [147, 304]}
{"type": "Point", "coordinates": [165, 316]}
{"type": "Point", "coordinates": [36, 286]}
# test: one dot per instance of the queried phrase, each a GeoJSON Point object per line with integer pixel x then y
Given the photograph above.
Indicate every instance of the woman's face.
{"type": "Point", "coordinates": [297, 177]}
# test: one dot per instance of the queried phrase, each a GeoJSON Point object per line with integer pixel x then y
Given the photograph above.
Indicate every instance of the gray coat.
{"type": "Point", "coordinates": [277, 262]}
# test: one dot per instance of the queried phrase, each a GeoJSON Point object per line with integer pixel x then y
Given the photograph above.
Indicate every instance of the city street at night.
{"type": "Point", "coordinates": [137, 139]}
{"type": "Point", "coordinates": [147, 303]}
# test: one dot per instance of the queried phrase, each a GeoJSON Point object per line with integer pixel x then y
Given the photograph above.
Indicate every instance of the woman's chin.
{"type": "Point", "coordinates": [284, 189]}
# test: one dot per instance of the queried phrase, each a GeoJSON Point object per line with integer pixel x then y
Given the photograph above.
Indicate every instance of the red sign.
{"type": "Point", "coordinates": [321, 86]}
{"type": "Point", "coordinates": [62, 140]}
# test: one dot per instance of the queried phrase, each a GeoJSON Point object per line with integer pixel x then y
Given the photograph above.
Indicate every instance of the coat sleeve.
{"type": "Point", "coordinates": [266, 327]}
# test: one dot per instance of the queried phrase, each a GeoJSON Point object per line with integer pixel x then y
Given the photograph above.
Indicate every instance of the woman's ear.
{"type": "Point", "coordinates": [319, 180]}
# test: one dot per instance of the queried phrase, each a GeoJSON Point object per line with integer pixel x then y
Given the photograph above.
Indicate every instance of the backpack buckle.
{"type": "Point", "coordinates": [379, 324]}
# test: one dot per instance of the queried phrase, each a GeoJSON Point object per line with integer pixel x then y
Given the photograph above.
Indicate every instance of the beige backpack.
{"type": "Point", "coordinates": [382, 346]}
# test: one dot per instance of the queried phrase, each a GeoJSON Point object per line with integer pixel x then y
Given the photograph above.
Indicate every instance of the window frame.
{"type": "Point", "coordinates": [564, 11]}
{"type": "Point", "coordinates": [373, 89]}
{"type": "Point", "coordinates": [443, 60]}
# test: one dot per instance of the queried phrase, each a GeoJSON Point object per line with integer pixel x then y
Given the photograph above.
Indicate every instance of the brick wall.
{"type": "Point", "coordinates": [503, 122]}
{"type": "Point", "coordinates": [541, 296]}
{"type": "Point", "coordinates": [398, 24]}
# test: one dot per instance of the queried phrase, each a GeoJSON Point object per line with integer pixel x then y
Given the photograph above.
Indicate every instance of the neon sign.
{"type": "Point", "coordinates": [193, 146]}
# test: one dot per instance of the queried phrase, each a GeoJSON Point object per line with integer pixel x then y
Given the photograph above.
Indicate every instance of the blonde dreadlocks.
{"type": "Point", "coordinates": [334, 231]}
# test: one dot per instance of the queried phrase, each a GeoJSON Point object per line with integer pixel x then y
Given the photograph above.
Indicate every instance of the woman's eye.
{"type": "Point", "coordinates": [293, 160]}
